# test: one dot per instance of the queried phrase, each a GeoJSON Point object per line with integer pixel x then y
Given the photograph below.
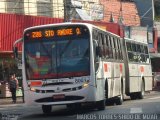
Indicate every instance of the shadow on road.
{"type": "Point", "coordinates": [66, 113]}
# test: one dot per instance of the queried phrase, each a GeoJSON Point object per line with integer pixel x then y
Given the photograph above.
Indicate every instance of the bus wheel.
{"type": "Point", "coordinates": [46, 109]}
{"type": "Point", "coordinates": [101, 105]}
{"type": "Point", "coordinates": [119, 100]}
{"type": "Point", "coordinates": [133, 96]}
{"type": "Point", "coordinates": [141, 93]}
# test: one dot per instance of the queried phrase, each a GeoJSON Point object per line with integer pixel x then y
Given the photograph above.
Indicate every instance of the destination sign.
{"type": "Point", "coordinates": [58, 32]}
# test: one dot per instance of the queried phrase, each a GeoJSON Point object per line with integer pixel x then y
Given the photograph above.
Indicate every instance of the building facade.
{"type": "Point", "coordinates": [100, 10]}
{"type": "Point", "coordinates": [122, 11]}
{"type": "Point", "coordinates": [49, 8]}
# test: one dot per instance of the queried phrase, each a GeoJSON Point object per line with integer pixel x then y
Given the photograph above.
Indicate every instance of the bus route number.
{"type": "Point", "coordinates": [37, 34]}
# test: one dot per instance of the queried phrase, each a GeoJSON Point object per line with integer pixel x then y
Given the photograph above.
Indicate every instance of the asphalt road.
{"type": "Point", "coordinates": [146, 109]}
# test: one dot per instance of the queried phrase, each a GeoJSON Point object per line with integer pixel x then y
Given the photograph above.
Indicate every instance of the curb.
{"type": "Point", "coordinates": [8, 101]}
{"type": "Point", "coordinates": [12, 105]}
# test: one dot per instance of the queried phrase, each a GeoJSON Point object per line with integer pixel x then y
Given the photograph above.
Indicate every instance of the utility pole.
{"type": "Point", "coordinates": [120, 19]}
{"type": "Point", "coordinates": [67, 10]}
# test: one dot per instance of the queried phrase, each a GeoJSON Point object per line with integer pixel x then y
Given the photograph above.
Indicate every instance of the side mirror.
{"type": "Point", "coordinates": [99, 51]}
{"type": "Point", "coordinates": [15, 51]}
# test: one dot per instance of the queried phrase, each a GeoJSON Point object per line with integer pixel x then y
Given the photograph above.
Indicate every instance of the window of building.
{"type": "Point", "coordinates": [45, 8]}
{"type": "Point", "coordinates": [15, 6]}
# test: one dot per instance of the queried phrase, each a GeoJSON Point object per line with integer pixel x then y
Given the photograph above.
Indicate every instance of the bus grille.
{"type": "Point", "coordinates": [67, 98]}
{"type": "Point", "coordinates": [64, 90]}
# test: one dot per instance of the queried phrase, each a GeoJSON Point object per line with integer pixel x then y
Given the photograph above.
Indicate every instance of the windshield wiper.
{"type": "Point", "coordinates": [69, 42]}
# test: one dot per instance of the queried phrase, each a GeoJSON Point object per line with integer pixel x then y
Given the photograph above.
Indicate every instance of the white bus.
{"type": "Point", "coordinates": [74, 63]}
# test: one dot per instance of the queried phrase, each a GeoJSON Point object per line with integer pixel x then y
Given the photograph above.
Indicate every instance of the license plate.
{"type": "Point", "coordinates": [61, 96]}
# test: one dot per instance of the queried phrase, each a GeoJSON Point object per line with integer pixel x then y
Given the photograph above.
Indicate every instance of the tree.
{"type": "Point", "coordinates": [157, 9]}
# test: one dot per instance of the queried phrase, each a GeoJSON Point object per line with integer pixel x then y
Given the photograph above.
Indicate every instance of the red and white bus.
{"type": "Point", "coordinates": [75, 63]}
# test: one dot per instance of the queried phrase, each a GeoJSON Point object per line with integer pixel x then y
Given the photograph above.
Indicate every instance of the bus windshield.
{"type": "Point", "coordinates": [59, 57]}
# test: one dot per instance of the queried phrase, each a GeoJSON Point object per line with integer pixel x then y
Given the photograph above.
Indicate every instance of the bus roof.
{"type": "Point", "coordinates": [71, 23]}
{"type": "Point", "coordinates": [57, 24]}
{"type": "Point", "coordinates": [133, 40]}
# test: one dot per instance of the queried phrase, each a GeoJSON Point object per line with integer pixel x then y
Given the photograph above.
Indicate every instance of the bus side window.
{"type": "Point", "coordinates": [100, 43]}
{"type": "Point", "coordinates": [130, 53]}
{"type": "Point", "coordinates": [96, 58]}
{"type": "Point", "coordinates": [115, 48]}
{"type": "Point", "coordinates": [142, 60]}
{"type": "Point", "coordinates": [110, 47]}
{"type": "Point", "coordinates": [142, 49]}
{"type": "Point", "coordinates": [147, 60]}
{"type": "Point", "coordinates": [95, 34]}
{"type": "Point", "coordinates": [145, 49]}
{"type": "Point", "coordinates": [131, 56]}
{"type": "Point", "coordinates": [138, 49]}
{"type": "Point", "coordinates": [134, 47]}
{"type": "Point", "coordinates": [135, 53]}
{"type": "Point", "coordinates": [120, 49]}
{"type": "Point", "coordinates": [129, 47]}
{"type": "Point", "coordinates": [107, 46]}
{"type": "Point", "coordinates": [103, 45]}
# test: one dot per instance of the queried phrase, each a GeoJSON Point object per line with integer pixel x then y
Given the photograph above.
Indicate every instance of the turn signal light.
{"type": "Point", "coordinates": [36, 83]}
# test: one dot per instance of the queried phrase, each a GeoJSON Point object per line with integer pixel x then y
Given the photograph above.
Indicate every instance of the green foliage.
{"type": "Point", "coordinates": [157, 18]}
{"type": "Point", "coordinates": [157, 7]}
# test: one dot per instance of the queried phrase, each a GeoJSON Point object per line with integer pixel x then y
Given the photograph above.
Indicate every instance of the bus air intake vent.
{"type": "Point", "coordinates": [66, 98]}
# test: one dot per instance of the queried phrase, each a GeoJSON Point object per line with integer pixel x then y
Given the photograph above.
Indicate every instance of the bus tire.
{"type": "Point", "coordinates": [133, 96]}
{"type": "Point", "coordinates": [141, 93]}
{"type": "Point", "coordinates": [106, 89]}
{"type": "Point", "coordinates": [46, 109]}
{"type": "Point", "coordinates": [119, 100]}
{"type": "Point", "coordinates": [101, 105]}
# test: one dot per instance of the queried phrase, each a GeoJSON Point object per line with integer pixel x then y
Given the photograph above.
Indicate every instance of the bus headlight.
{"type": "Point", "coordinates": [85, 85]}
{"type": "Point", "coordinates": [32, 89]}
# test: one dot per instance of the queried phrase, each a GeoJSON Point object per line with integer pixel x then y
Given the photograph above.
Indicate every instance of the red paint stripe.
{"type": "Point", "coordinates": [105, 67]}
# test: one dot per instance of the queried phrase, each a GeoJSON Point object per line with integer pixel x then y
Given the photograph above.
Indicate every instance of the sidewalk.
{"type": "Point", "coordinates": [8, 101]}
{"type": "Point", "coordinates": [156, 89]}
